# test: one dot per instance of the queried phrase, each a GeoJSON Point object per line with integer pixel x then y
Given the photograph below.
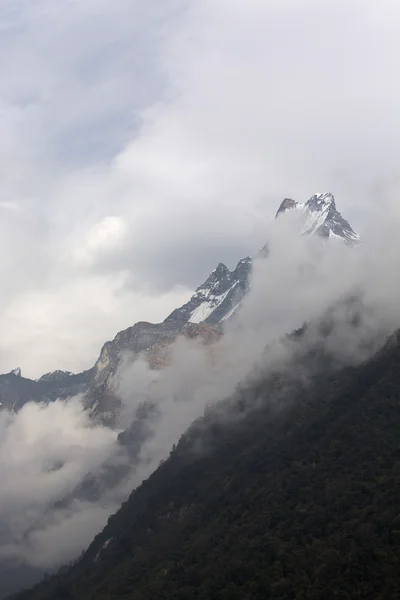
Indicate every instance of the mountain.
{"type": "Point", "coordinates": [220, 295]}
{"type": "Point", "coordinates": [298, 502]}
{"type": "Point", "coordinates": [150, 341]}
{"type": "Point", "coordinates": [213, 303]}
{"type": "Point", "coordinates": [15, 577]}
{"type": "Point", "coordinates": [203, 317]}
{"type": "Point", "coordinates": [56, 376]}
{"type": "Point", "coordinates": [319, 216]}
{"type": "Point", "coordinates": [16, 390]}
{"type": "Point", "coordinates": [217, 297]}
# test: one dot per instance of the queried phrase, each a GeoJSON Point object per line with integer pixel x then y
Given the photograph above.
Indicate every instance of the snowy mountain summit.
{"type": "Point", "coordinates": [320, 216]}
{"type": "Point", "coordinates": [215, 298]}
{"type": "Point", "coordinates": [214, 302]}
{"type": "Point", "coordinates": [222, 292]}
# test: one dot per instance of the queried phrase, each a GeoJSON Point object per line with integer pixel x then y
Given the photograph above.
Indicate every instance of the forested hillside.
{"type": "Point", "coordinates": [298, 499]}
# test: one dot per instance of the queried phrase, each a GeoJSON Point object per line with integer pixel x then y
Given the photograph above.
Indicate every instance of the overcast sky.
{"type": "Point", "coordinates": [143, 142]}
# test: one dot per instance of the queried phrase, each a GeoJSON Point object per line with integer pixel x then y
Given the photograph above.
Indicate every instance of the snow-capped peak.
{"type": "Point", "coordinates": [216, 297]}
{"type": "Point", "coordinates": [219, 296]}
{"type": "Point", "coordinates": [321, 202]}
{"type": "Point", "coordinates": [320, 216]}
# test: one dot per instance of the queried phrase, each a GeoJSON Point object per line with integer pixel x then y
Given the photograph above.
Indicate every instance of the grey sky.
{"type": "Point", "coordinates": [141, 143]}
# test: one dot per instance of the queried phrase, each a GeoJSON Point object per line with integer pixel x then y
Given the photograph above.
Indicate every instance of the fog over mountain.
{"type": "Point", "coordinates": [49, 450]}
{"type": "Point", "coordinates": [161, 237]}
{"type": "Point", "coordinates": [140, 144]}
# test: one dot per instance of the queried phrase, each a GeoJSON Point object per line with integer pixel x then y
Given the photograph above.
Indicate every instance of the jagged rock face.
{"type": "Point", "coordinates": [159, 355]}
{"type": "Point", "coordinates": [321, 217]}
{"type": "Point", "coordinates": [133, 340]}
{"type": "Point", "coordinates": [144, 340]}
{"type": "Point", "coordinates": [216, 297]}
{"type": "Point", "coordinates": [15, 391]}
{"type": "Point", "coordinates": [287, 204]}
{"type": "Point", "coordinates": [221, 294]}
{"type": "Point", "coordinates": [213, 303]}
{"type": "Point", "coordinates": [100, 396]}
{"type": "Point", "coordinates": [206, 296]}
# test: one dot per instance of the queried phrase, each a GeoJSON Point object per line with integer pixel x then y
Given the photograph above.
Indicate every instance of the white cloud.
{"type": "Point", "coordinates": [87, 311]}
{"type": "Point", "coordinates": [140, 144]}
{"type": "Point", "coordinates": [103, 237]}
{"type": "Point", "coordinates": [186, 122]}
{"type": "Point", "coordinates": [45, 451]}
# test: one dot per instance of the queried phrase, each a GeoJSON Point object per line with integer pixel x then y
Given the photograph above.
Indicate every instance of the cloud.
{"type": "Point", "coordinates": [354, 292]}
{"type": "Point", "coordinates": [100, 239]}
{"type": "Point", "coordinates": [187, 123]}
{"type": "Point", "coordinates": [47, 451]}
{"type": "Point", "coordinates": [140, 145]}
{"type": "Point", "coordinates": [33, 314]}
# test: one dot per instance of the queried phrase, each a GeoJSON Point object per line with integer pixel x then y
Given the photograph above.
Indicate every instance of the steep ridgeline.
{"type": "Point", "coordinates": [301, 502]}
{"type": "Point", "coordinates": [319, 216]}
{"type": "Point", "coordinates": [217, 297]}
{"type": "Point", "coordinates": [213, 303]}
{"type": "Point", "coordinates": [150, 341]}
{"type": "Point", "coordinates": [203, 317]}
{"type": "Point", "coordinates": [101, 396]}
{"type": "Point", "coordinates": [221, 294]}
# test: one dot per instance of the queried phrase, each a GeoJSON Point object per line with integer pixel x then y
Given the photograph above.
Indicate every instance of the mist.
{"type": "Point", "coordinates": [141, 145]}
{"type": "Point", "coordinates": [47, 451]}
{"type": "Point", "coordinates": [177, 109]}
{"type": "Point", "coordinates": [303, 280]}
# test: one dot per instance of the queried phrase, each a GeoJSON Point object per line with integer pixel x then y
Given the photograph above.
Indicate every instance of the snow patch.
{"type": "Point", "coordinates": [202, 312]}
{"type": "Point", "coordinates": [320, 210]}
{"type": "Point", "coordinates": [102, 548]}
{"type": "Point", "coordinates": [206, 308]}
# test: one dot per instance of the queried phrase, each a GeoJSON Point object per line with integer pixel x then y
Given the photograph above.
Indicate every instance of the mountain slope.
{"type": "Point", "coordinates": [298, 503]}
{"type": "Point", "coordinates": [215, 301]}
{"type": "Point", "coordinates": [203, 316]}
{"type": "Point", "coordinates": [220, 295]}
{"type": "Point", "coordinates": [216, 297]}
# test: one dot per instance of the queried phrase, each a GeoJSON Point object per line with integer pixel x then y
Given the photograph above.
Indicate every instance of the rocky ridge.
{"type": "Point", "coordinates": [213, 303]}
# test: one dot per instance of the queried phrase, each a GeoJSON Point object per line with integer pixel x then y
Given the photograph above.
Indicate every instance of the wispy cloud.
{"type": "Point", "coordinates": [46, 451]}
{"type": "Point", "coordinates": [185, 122]}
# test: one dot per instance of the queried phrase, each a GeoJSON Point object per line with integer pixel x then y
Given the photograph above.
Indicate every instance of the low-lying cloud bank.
{"type": "Point", "coordinates": [47, 451]}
